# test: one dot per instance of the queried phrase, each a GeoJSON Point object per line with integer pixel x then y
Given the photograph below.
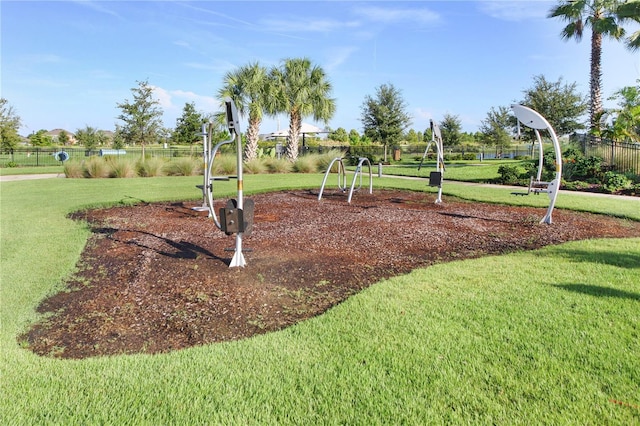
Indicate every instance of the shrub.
{"type": "Point", "coordinates": [306, 164]}
{"type": "Point", "coordinates": [575, 185]}
{"type": "Point", "coordinates": [326, 158]}
{"type": "Point", "coordinates": [95, 167]}
{"type": "Point", "coordinates": [121, 168]}
{"type": "Point", "coordinates": [508, 174]}
{"type": "Point", "coordinates": [278, 165]}
{"type": "Point", "coordinates": [255, 166]}
{"type": "Point", "coordinates": [224, 164]}
{"type": "Point", "coordinates": [613, 182]}
{"type": "Point", "coordinates": [150, 167]}
{"type": "Point", "coordinates": [469, 156]}
{"type": "Point", "coordinates": [182, 166]}
{"type": "Point", "coordinates": [73, 169]}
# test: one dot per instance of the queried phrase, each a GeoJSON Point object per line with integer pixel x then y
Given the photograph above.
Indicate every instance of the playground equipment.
{"type": "Point", "coordinates": [237, 215]}
{"type": "Point", "coordinates": [535, 121]}
{"type": "Point", "coordinates": [342, 177]}
{"type": "Point", "coordinates": [435, 178]}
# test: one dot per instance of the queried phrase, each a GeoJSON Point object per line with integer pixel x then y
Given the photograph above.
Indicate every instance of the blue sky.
{"type": "Point", "coordinates": [66, 64]}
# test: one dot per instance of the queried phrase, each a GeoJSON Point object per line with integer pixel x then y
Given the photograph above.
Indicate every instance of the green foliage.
{"type": "Point", "coordinates": [339, 135]}
{"type": "Point", "coordinates": [96, 168]}
{"type": "Point", "coordinates": [63, 138]}
{"type": "Point", "coordinates": [509, 174]}
{"type": "Point", "coordinates": [496, 128]}
{"type": "Point", "coordinates": [614, 182]}
{"type": "Point", "coordinates": [121, 167]}
{"type": "Point", "coordinates": [40, 138]}
{"type": "Point", "coordinates": [306, 164]}
{"type": "Point", "coordinates": [255, 166]}
{"type": "Point", "coordinates": [250, 87]}
{"type": "Point", "coordinates": [559, 103]}
{"type": "Point", "coordinates": [150, 167]}
{"type": "Point", "coordinates": [141, 117]}
{"type": "Point", "coordinates": [183, 166]}
{"type": "Point", "coordinates": [9, 126]}
{"type": "Point", "coordinates": [188, 126]}
{"type": "Point", "coordinates": [73, 169]}
{"type": "Point", "coordinates": [225, 165]}
{"type": "Point", "coordinates": [450, 129]}
{"type": "Point", "coordinates": [300, 89]}
{"type": "Point", "coordinates": [90, 137]}
{"type": "Point", "coordinates": [278, 165]}
{"type": "Point", "coordinates": [622, 123]}
{"type": "Point", "coordinates": [384, 117]}
{"type": "Point", "coordinates": [354, 137]}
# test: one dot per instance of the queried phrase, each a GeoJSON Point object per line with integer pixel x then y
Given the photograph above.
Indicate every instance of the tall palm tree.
{"type": "Point", "coordinates": [248, 87]}
{"type": "Point", "coordinates": [301, 90]}
{"type": "Point", "coordinates": [601, 16]}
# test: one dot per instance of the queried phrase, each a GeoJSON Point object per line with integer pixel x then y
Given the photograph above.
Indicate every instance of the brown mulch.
{"type": "Point", "coordinates": [155, 277]}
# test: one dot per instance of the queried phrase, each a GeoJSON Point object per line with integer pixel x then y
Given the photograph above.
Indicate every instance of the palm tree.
{"type": "Point", "coordinates": [630, 10]}
{"type": "Point", "coordinates": [602, 17]}
{"type": "Point", "coordinates": [301, 90]}
{"type": "Point", "coordinates": [248, 87]}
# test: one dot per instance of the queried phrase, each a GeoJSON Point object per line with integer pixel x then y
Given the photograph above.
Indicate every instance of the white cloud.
{"type": "Point", "coordinates": [300, 24]}
{"type": "Point", "coordinates": [337, 56]}
{"type": "Point", "coordinates": [515, 10]}
{"type": "Point", "coordinates": [394, 15]}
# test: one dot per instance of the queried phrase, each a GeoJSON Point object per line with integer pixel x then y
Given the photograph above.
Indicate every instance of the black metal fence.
{"type": "Point", "coordinates": [622, 157]}
{"type": "Point", "coordinates": [46, 156]}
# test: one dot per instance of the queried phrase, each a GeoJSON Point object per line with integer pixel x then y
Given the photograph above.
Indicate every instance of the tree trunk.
{"type": "Point", "coordinates": [295, 124]}
{"type": "Point", "coordinates": [595, 82]}
{"type": "Point", "coordinates": [251, 149]}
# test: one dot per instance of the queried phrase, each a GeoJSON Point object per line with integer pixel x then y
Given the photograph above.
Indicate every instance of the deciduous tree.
{"type": "Point", "coordinates": [141, 116]}
{"type": "Point", "coordinates": [384, 117]}
{"type": "Point", "coordinates": [9, 126]}
{"type": "Point", "coordinates": [497, 128]}
{"type": "Point", "coordinates": [558, 102]}
{"type": "Point", "coordinates": [450, 129]}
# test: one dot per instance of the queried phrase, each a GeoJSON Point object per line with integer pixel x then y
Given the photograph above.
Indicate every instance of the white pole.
{"type": "Point", "coordinates": [234, 126]}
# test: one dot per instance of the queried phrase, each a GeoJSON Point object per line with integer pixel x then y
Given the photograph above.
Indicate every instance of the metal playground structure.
{"type": "Point", "coordinates": [342, 177]}
{"type": "Point", "coordinates": [237, 215]}
{"type": "Point", "coordinates": [435, 178]}
{"type": "Point", "coordinates": [535, 121]}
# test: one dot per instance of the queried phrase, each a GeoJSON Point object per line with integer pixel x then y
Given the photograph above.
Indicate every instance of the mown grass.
{"type": "Point", "coordinates": [542, 337]}
{"type": "Point", "coordinates": [467, 171]}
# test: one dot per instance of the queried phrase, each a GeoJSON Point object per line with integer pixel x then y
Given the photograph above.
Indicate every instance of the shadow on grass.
{"type": "Point", "coordinates": [622, 260]}
{"type": "Point", "coordinates": [599, 291]}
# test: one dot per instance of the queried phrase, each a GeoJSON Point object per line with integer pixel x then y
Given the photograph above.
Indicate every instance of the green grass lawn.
{"type": "Point", "coordinates": [544, 337]}
{"type": "Point", "coordinates": [467, 171]}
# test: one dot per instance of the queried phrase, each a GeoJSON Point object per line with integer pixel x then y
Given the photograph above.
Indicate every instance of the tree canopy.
{"type": "Point", "coordinates": [558, 102]}
{"type": "Point", "coordinates": [188, 126]}
{"type": "Point", "coordinates": [141, 116]}
{"type": "Point", "coordinates": [496, 127]}
{"type": "Point", "coordinates": [450, 129]}
{"type": "Point", "coordinates": [249, 87]}
{"type": "Point", "coordinates": [605, 19]}
{"type": "Point", "coordinates": [384, 117]}
{"type": "Point", "coordinates": [9, 125]}
{"type": "Point", "coordinates": [301, 89]}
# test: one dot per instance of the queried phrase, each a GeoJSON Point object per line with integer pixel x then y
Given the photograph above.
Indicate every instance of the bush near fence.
{"type": "Point", "coordinates": [621, 157]}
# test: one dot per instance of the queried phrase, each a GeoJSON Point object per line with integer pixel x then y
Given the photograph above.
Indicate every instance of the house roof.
{"type": "Point", "coordinates": [305, 128]}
